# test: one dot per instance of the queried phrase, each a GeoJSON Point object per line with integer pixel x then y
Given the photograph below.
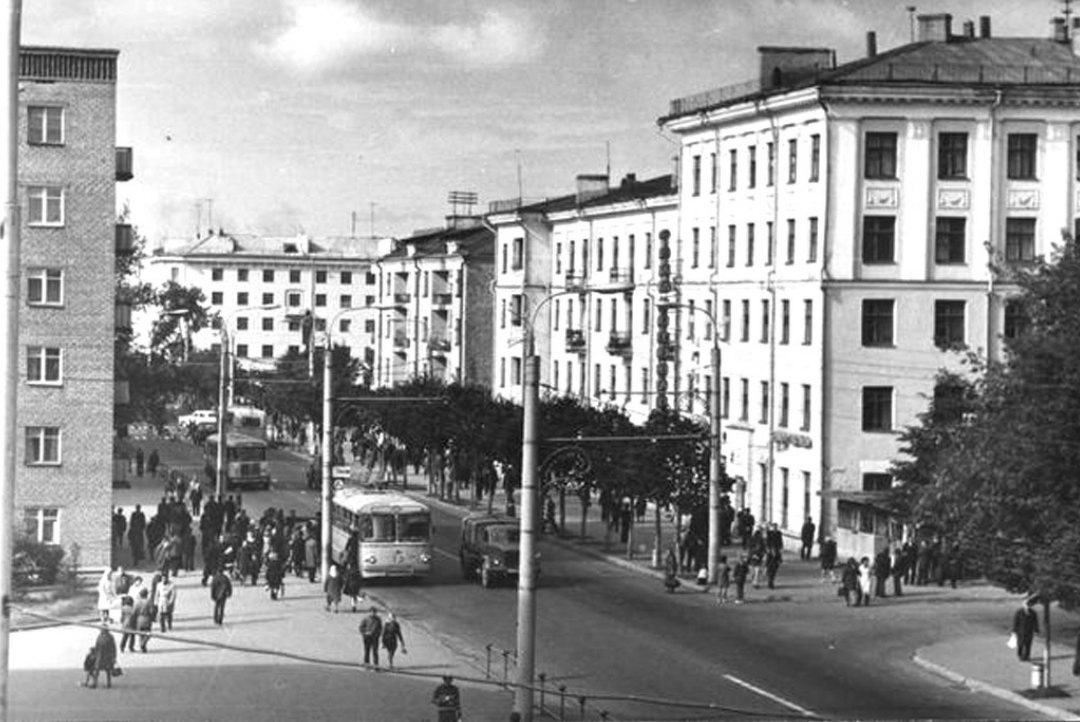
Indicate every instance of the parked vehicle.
{"type": "Point", "coordinates": [490, 549]}
{"type": "Point", "coordinates": [199, 417]}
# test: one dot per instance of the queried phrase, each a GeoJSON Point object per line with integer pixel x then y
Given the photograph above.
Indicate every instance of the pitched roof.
{"type": "Point", "coordinates": [628, 190]}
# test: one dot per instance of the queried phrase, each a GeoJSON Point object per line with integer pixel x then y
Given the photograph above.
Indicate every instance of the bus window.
{"type": "Point", "coordinates": [247, 453]}
{"type": "Point", "coordinates": [382, 527]}
{"type": "Point", "coordinates": [413, 527]}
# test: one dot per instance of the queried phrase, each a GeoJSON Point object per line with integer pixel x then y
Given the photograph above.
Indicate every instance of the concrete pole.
{"type": "Point", "coordinates": [526, 615]}
{"type": "Point", "coordinates": [715, 465]}
{"type": "Point", "coordinates": [9, 329]}
{"type": "Point", "coordinates": [327, 436]}
{"type": "Point", "coordinates": [223, 410]}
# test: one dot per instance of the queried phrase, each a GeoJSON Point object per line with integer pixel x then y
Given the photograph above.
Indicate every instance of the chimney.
{"type": "Point", "coordinates": [984, 26]}
{"type": "Point", "coordinates": [937, 27]}
{"type": "Point", "coordinates": [629, 181]}
{"type": "Point", "coordinates": [871, 44]}
{"type": "Point", "coordinates": [969, 29]}
{"type": "Point", "coordinates": [591, 186]}
{"type": "Point", "coordinates": [1059, 34]}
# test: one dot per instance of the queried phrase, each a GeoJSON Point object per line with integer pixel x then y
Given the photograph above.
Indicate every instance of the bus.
{"type": "Point", "coordinates": [394, 532]}
{"type": "Point", "coordinates": [245, 460]}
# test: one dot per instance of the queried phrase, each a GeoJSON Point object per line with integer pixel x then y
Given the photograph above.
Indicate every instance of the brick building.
{"type": "Point", "coordinates": [68, 167]}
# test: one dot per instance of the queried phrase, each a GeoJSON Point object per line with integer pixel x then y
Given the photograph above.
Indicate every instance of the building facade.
{"type": "Point", "coordinates": [858, 210]}
{"type": "Point", "coordinates": [68, 167]}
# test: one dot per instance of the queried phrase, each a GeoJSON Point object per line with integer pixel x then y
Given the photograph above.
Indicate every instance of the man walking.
{"type": "Point", "coordinates": [220, 591]}
{"type": "Point", "coordinates": [137, 535]}
{"type": "Point", "coordinates": [808, 530]}
{"type": "Point", "coordinates": [371, 632]}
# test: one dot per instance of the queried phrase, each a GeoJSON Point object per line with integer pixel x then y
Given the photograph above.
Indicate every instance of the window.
{"type": "Point", "coordinates": [725, 320]}
{"type": "Point", "coordinates": [752, 154]}
{"type": "Point", "coordinates": [709, 313]}
{"type": "Point", "coordinates": [268, 299]}
{"type": "Point", "coordinates": [770, 242]}
{"type": "Point", "coordinates": [571, 259]}
{"type": "Point", "coordinates": [558, 258]}
{"type": "Point", "coordinates": [712, 246]}
{"type": "Point", "coordinates": [793, 160]}
{"type": "Point", "coordinates": [293, 298]}
{"type": "Point", "coordinates": [294, 276]}
{"type": "Point", "coordinates": [785, 400]}
{"type": "Point", "coordinates": [644, 384]}
{"type": "Point", "coordinates": [815, 157]}
{"type": "Point", "coordinates": [268, 324]}
{"type": "Point", "coordinates": [808, 322]}
{"type": "Point", "coordinates": [1016, 320]}
{"type": "Point", "coordinates": [43, 365]}
{"type": "Point", "coordinates": [46, 205]}
{"type": "Point", "coordinates": [42, 445]}
{"type": "Point", "coordinates": [691, 305]}
{"type": "Point", "coordinates": [242, 275]}
{"type": "Point", "coordinates": [952, 156]}
{"type": "Point", "coordinates": [599, 254]}
{"type": "Point", "coordinates": [517, 260]}
{"type": "Point", "coordinates": [45, 125]}
{"type": "Point", "coordinates": [695, 246]}
{"type": "Point", "coordinates": [346, 278]}
{"type": "Point", "coordinates": [805, 425]}
{"type": "Point", "coordinates": [725, 397]}
{"type": "Point", "coordinates": [733, 169]}
{"type": "Point", "coordinates": [217, 274]}
{"type": "Point", "coordinates": [216, 298]}
{"type": "Point", "coordinates": [770, 173]}
{"type": "Point", "coordinates": [517, 309]}
{"type": "Point", "coordinates": [949, 240]}
{"type": "Point", "coordinates": [745, 321]}
{"type": "Point", "coordinates": [764, 411]}
{"type": "Point", "coordinates": [268, 275]}
{"type": "Point", "coordinates": [267, 351]}
{"type": "Point", "coordinates": [320, 299]}
{"type": "Point", "coordinates": [877, 322]}
{"type": "Point", "coordinates": [294, 325]}
{"type": "Point", "coordinates": [765, 321]}
{"type": "Point", "coordinates": [320, 276]}
{"type": "Point", "coordinates": [346, 301]}
{"type": "Point", "coordinates": [785, 321]}
{"type": "Point", "coordinates": [44, 287]}
{"type": "Point", "coordinates": [1022, 148]}
{"type": "Point", "coordinates": [785, 504]}
{"type": "Point", "coordinates": [241, 350]}
{"type": "Point", "coordinates": [876, 482]}
{"type": "Point", "coordinates": [648, 250]}
{"type": "Point", "coordinates": [880, 160]}
{"type": "Point", "coordinates": [949, 323]}
{"type": "Point", "coordinates": [42, 524]}
{"type": "Point", "coordinates": [744, 408]}
{"type": "Point", "coordinates": [750, 244]}
{"type": "Point", "coordinates": [242, 298]}
{"type": "Point", "coordinates": [502, 372]}
{"type": "Point", "coordinates": [811, 256]}
{"type": "Point", "coordinates": [879, 239]}
{"type": "Point", "coordinates": [877, 408]}
{"type": "Point", "coordinates": [790, 241]}
{"type": "Point", "coordinates": [1019, 240]}
{"type": "Point", "coordinates": [596, 380]}
{"type": "Point", "coordinates": [730, 246]}
{"type": "Point", "coordinates": [646, 315]}
{"type": "Point", "coordinates": [241, 323]}
{"type": "Point", "coordinates": [598, 323]}
{"type": "Point", "coordinates": [712, 173]}
{"type": "Point", "coordinates": [695, 177]}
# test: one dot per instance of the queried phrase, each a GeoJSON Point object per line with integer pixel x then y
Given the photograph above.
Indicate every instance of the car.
{"type": "Point", "coordinates": [199, 417]}
{"type": "Point", "coordinates": [490, 549]}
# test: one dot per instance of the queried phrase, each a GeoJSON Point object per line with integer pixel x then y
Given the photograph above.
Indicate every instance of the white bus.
{"type": "Point", "coordinates": [393, 532]}
{"type": "Point", "coordinates": [245, 459]}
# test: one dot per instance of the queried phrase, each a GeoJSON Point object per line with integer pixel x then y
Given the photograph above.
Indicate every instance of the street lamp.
{"type": "Point", "coordinates": [223, 399]}
{"type": "Point", "coordinates": [715, 470]}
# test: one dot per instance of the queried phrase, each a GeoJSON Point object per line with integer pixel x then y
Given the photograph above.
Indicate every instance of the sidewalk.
{"type": "Point", "coordinates": [975, 657]}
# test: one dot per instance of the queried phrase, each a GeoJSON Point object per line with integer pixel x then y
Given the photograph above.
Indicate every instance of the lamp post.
{"type": "Point", "coordinates": [715, 469]}
{"type": "Point", "coordinates": [223, 399]}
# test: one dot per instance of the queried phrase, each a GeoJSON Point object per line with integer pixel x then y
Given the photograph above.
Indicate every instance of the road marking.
{"type": "Point", "coordinates": [780, 700]}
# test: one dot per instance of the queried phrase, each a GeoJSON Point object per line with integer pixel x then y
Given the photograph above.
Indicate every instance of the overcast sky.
{"type": "Point", "coordinates": [280, 116]}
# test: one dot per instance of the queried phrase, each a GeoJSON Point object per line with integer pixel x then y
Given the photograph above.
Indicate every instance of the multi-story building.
{"type": "Point", "coordinates": [579, 273]}
{"type": "Point", "coordinates": [857, 211]}
{"type": "Point", "coordinates": [435, 289]}
{"type": "Point", "coordinates": [68, 167]}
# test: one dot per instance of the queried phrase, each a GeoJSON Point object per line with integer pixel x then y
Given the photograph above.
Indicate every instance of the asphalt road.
{"type": "Point", "coordinates": [637, 653]}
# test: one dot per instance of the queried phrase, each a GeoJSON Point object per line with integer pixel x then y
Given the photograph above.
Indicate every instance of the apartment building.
{"type": "Point", "coordinates": [579, 272]}
{"type": "Point", "coordinates": [68, 167]}
{"type": "Point", "coordinates": [854, 211]}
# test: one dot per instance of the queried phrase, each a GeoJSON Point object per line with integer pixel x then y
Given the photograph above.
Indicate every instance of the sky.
{"type": "Point", "coordinates": [329, 117]}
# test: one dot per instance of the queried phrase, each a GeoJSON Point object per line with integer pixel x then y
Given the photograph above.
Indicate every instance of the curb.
{"type": "Point", "coordinates": [980, 686]}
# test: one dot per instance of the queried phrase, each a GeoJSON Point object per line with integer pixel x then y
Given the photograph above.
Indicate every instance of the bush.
{"type": "Point", "coordinates": [36, 564]}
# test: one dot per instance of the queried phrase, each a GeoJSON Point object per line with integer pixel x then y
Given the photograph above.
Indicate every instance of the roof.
{"type": "Point", "coordinates": [233, 244]}
{"type": "Point", "coordinates": [630, 189]}
{"type": "Point", "coordinates": [471, 242]}
{"type": "Point", "coordinates": [960, 61]}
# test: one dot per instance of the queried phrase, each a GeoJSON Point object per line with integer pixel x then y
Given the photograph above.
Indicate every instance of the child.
{"type": "Point", "coordinates": [89, 665]}
{"type": "Point", "coordinates": [723, 581]}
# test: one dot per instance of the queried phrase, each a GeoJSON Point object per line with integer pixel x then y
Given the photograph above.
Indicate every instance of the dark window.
{"type": "Point", "coordinates": [815, 157]}
{"type": "Point", "coordinates": [320, 276]}
{"type": "Point", "coordinates": [217, 274]}
{"type": "Point", "coordinates": [752, 181]}
{"type": "Point", "coordinates": [750, 227]}
{"type": "Point", "coordinates": [216, 298]}
{"type": "Point", "coordinates": [745, 321]}
{"type": "Point", "coordinates": [791, 240]}
{"type": "Point", "coordinates": [268, 275]}
{"type": "Point", "coordinates": [730, 246]}
{"type": "Point", "coordinates": [952, 156]}
{"type": "Point", "coordinates": [242, 323]}
{"type": "Point", "coordinates": [733, 169]}
{"type": "Point", "coordinates": [811, 255]}
{"type": "Point", "coordinates": [268, 324]}
{"type": "Point", "coordinates": [1016, 320]}
{"type": "Point", "coordinates": [294, 276]}
{"type": "Point", "coordinates": [879, 239]}
{"type": "Point", "coordinates": [876, 482]}
{"type": "Point", "coordinates": [949, 240]}
{"type": "Point", "coordinates": [949, 323]}
{"type": "Point", "coordinates": [877, 408]}
{"type": "Point", "coordinates": [793, 160]}
{"type": "Point", "coordinates": [696, 177]}
{"type": "Point", "coordinates": [1022, 149]}
{"type": "Point", "coordinates": [1019, 240]}
{"type": "Point", "coordinates": [880, 156]}
{"type": "Point", "coordinates": [877, 322]}
{"type": "Point", "coordinates": [346, 277]}
{"type": "Point", "coordinates": [268, 299]}
{"type": "Point", "coordinates": [242, 274]}
{"type": "Point", "coordinates": [242, 299]}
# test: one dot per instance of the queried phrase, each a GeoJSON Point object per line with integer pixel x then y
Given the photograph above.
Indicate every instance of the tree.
{"type": "Point", "coordinates": [995, 462]}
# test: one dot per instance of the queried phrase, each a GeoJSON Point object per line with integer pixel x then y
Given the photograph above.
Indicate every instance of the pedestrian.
{"type": "Point", "coordinates": [828, 560]}
{"type": "Point", "coordinates": [1025, 627]}
{"type": "Point", "coordinates": [391, 637]}
{"type": "Point", "coordinates": [773, 559]}
{"type": "Point", "coordinates": [139, 460]}
{"type": "Point", "coordinates": [196, 497]}
{"type": "Point", "coordinates": [144, 618]}
{"type": "Point", "coordinates": [447, 699]}
{"type": "Point", "coordinates": [119, 527]}
{"type": "Point", "coordinates": [311, 554]}
{"type": "Point", "coordinates": [137, 535]}
{"type": "Point", "coordinates": [335, 581]}
{"type": "Point", "coordinates": [105, 595]}
{"type": "Point", "coordinates": [807, 536]}
{"type": "Point", "coordinates": [739, 574]}
{"type": "Point", "coordinates": [127, 623]}
{"type": "Point", "coordinates": [757, 557]}
{"type": "Point", "coordinates": [211, 553]}
{"type": "Point", "coordinates": [371, 632]}
{"type": "Point", "coordinates": [723, 581]}
{"type": "Point", "coordinates": [849, 581]}
{"type": "Point", "coordinates": [152, 462]}
{"type": "Point", "coordinates": [671, 572]}
{"type": "Point", "coordinates": [866, 578]}
{"type": "Point", "coordinates": [104, 659]}
{"type": "Point", "coordinates": [882, 571]}
{"type": "Point", "coordinates": [89, 665]}
{"type": "Point", "coordinates": [275, 572]}
{"type": "Point", "coordinates": [898, 571]}
{"type": "Point", "coordinates": [220, 591]}
{"type": "Point", "coordinates": [165, 601]}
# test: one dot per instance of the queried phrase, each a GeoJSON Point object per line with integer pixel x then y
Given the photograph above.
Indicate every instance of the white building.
{"type": "Point", "coordinates": [853, 212]}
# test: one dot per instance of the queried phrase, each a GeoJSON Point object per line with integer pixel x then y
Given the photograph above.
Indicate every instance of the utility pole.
{"type": "Point", "coordinates": [223, 408]}
{"type": "Point", "coordinates": [526, 614]}
{"type": "Point", "coordinates": [327, 422]}
{"type": "Point", "coordinates": [10, 260]}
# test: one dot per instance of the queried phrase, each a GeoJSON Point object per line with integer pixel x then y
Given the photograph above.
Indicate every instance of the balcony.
{"type": "Point", "coordinates": [620, 344]}
{"type": "Point", "coordinates": [125, 238]}
{"type": "Point", "coordinates": [401, 341]}
{"type": "Point", "coordinates": [441, 299]}
{"type": "Point", "coordinates": [575, 281]}
{"type": "Point", "coordinates": [575, 340]}
{"type": "Point", "coordinates": [124, 164]}
{"type": "Point", "coordinates": [400, 299]}
{"type": "Point", "coordinates": [438, 344]}
{"type": "Point", "coordinates": [621, 277]}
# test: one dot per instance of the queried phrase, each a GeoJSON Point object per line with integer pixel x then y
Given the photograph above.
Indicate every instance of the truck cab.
{"type": "Point", "coordinates": [490, 549]}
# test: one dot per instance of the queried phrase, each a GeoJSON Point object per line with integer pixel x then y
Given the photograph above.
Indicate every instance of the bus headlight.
{"type": "Point", "coordinates": [425, 558]}
{"type": "Point", "coordinates": [370, 559]}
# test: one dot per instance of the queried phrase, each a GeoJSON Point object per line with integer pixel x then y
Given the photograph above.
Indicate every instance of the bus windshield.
{"type": "Point", "coordinates": [378, 527]}
{"type": "Point", "coordinates": [247, 453]}
{"type": "Point", "coordinates": [414, 527]}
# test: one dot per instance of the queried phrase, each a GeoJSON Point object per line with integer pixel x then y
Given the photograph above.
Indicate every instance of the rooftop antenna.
{"type": "Point", "coordinates": [517, 152]}
{"type": "Point", "coordinates": [607, 146]}
{"type": "Point", "coordinates": [1067, 12]}
{"type": "Point", "coordinates": [911, 20]}
{"type": "Point", "coordinates": [462, 198]}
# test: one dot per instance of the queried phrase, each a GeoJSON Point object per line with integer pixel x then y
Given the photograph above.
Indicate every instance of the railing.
{"type": "Point", "coordinates": [441, 299]}
{"type": "Point", "coordinates": [401, 298]}
{"type": "Point", "coordinates": [621, 276]}
{"type": "Point", "coordinates": [575, 339]}
{"type": "Point", "coordinates": [619, 343]}
{"type": "Point", "coordinates": [575, 281]}
{"type": "Point", "coordinates": [439, 344]}
{"type": "Point", "coordinates": [401, 342]}
{"type": "Point", "coordinates": [716, 96]}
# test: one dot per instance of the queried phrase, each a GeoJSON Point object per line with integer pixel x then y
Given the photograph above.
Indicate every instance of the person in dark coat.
{"type": "Point", "coordinates": [152, 462]}
{"type": "Point", "coordinates": [119, 527]}
{"type": "Point", "coordinates": [739, 574]}
{"type": "Point", "coordinates": [809, 529]}
{"type": "Point", "coordinates": [128, 623]}
{"type": "Point", "coordinates": [220, 591]}
{"type": "Point", "coordinates": [139, 461]}
{"type": "Point", "coordinates": [1025, 627]}
{"type": "Point", "coordinates": [137, 535]}
{"type": "Point", "coordinates": [335, 582]}
{"type": "Point", "coordinates": [882, 572]}
{"type": "Point", "coordinates": [828, 556]}
{"type": "Point", "coordinates": [144, 617]}
{"type": "Point", "coordinates": [391, 637]}
{"type": "Point", "coordinates": [849, 581]}
{"type": "Point", "coordinates": [371, 633]}
{"type": "Point", "coordinates": [104, 651]}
